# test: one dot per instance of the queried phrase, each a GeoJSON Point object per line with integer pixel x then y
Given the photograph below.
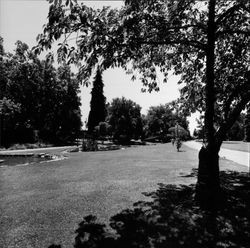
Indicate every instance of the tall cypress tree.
{"type": "Point", "coordinates": [97, 104]}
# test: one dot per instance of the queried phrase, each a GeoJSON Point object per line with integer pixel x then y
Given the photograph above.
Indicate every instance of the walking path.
{"type": "Point", "coordinates": [239, 157]}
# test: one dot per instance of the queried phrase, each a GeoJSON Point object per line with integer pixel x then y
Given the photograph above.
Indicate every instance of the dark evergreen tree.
{"type": "Point", "coordinates": [247, 126]}
{"type": "Point", "coordinates": [97, 104]}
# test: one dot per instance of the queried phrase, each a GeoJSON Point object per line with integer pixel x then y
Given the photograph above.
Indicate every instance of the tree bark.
{"type": "Point", "coordinates": [208, 184]}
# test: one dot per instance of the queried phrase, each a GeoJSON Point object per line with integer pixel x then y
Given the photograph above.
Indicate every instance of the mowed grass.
{"type": "Point", "coordinates": [237, 146]}
{"type": "Point", "coordinates": [42, 204]}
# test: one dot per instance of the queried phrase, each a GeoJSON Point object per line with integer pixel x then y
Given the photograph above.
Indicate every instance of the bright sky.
{"type": "Point", "coordinates": [23, 20]}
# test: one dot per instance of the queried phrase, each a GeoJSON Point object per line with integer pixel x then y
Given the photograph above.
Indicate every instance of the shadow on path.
{"type": "Point", "coordinates": [173, 219]}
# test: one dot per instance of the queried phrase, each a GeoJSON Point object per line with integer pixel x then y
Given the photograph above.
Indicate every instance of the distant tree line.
{"type": "Point", "coordinates": [125, 122]}
{"type": "Point", "coordinates": [160, 119]}
{"type": "Point", "coordinates": [121, 119]}
{"type": "Point", "coordinates": [240, 131]}
{"type": "Point", "coordinates": [37, 101]}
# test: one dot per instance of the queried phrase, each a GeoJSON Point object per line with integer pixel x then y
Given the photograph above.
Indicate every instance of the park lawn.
{"type": "Point", "coordinates": [42, 204]}
{"type": "Point", "coordinates": [237, 146]}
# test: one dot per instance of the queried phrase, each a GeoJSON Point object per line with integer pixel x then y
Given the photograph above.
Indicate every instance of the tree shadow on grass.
{"type": "Point", "coordinates": [173, 219]}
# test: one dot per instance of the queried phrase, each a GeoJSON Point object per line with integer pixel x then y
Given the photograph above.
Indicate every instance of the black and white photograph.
{"type": "Point", "coordinates": [124, 123]}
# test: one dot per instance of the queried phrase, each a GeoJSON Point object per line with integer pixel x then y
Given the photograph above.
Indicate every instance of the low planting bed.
{"type": "Point", "coordinates": [12, 159]}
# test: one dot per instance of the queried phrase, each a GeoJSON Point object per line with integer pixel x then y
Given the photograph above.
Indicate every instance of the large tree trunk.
{"type": "Point", "coordinates": [208, 185]}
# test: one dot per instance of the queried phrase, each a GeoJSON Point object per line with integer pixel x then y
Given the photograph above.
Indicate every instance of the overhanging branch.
{"type": "Point", "coordinates": [227, 124]}
{"type": "Point", "coordinates": [227, 13]}
{"type": "Point", "coordinates": [236, 92]}
{"type": "Point", "coordinates": [193, 43]}
{"type": "Point", "coordinates": [231, 31]}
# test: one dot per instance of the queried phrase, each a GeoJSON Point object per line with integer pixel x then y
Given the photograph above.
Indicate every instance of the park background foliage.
{"type": "Point", "coordinates": [38, 103]}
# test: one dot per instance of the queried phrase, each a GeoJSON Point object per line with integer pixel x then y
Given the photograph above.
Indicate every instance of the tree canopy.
{"type": "Point", "coordinates": [160, 118]}
{"type": "Point", "coordinates": [36, 96]}
{"type": "Point", "coordinates": [205, 42]}
{"type": "Point", "coordinates": [124, 116]}
{"type": "Point", "coordinates": [170, 35]}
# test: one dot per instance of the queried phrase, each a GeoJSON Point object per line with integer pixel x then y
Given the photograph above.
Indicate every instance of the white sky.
{"type": "Point", "coordinates": [23, 20]}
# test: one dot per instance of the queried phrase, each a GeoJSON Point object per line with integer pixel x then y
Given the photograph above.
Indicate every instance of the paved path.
{"type": "Point", "coordinates": [239, 157]}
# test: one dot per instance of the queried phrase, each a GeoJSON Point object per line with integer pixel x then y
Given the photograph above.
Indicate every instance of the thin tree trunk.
{"type": "Point", "coordinates": [208, 184]}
